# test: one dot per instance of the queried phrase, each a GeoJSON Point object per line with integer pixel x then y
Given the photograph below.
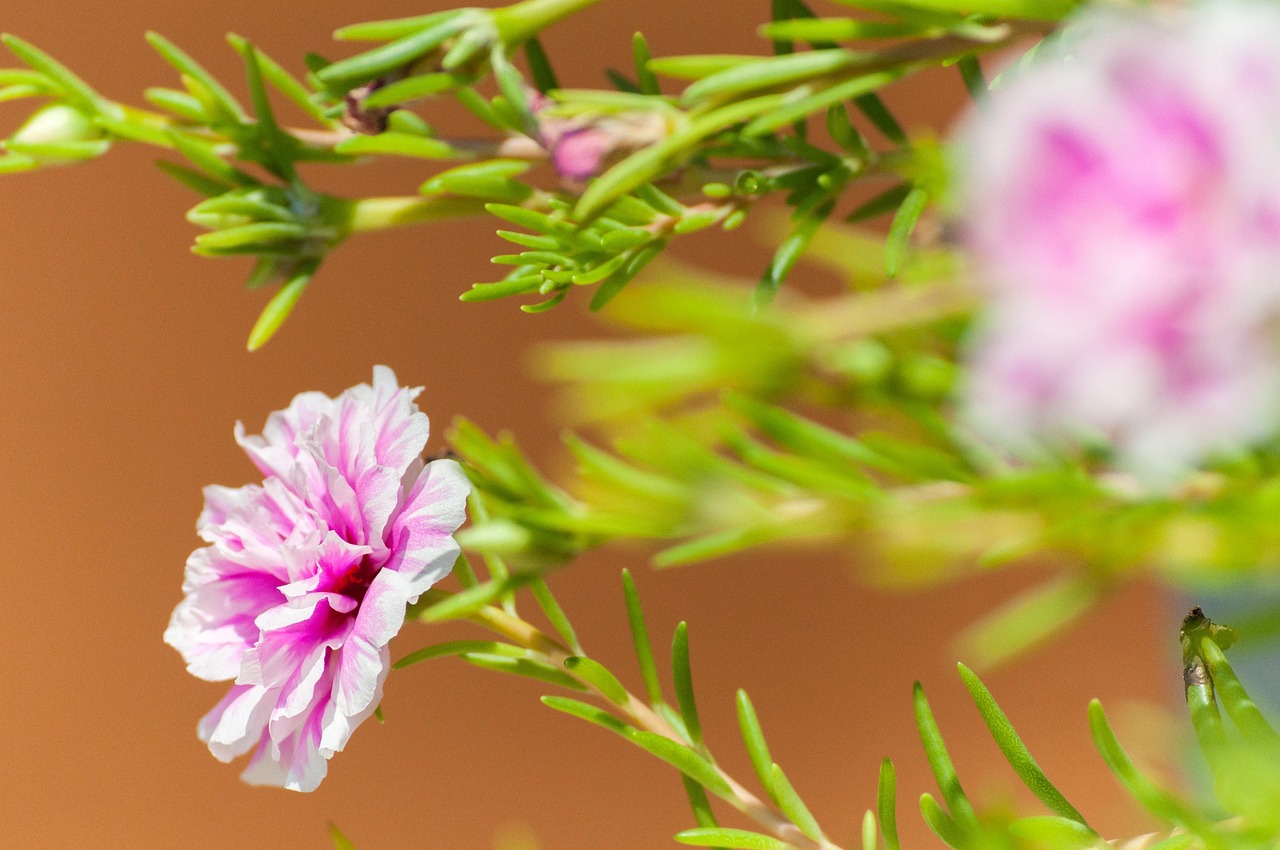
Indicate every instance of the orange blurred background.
{"type": "Point", "coordinates": [125, 370]}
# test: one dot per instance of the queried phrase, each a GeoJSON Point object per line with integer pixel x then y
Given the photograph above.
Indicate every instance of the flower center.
{"type": "Point", "coordinates": [355, 582]}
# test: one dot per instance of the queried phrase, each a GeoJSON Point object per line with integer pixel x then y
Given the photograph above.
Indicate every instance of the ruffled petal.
{"type": "Point", "coordinates": [236, 723]}
{"type": "Point", "coordinates": [421, 535]}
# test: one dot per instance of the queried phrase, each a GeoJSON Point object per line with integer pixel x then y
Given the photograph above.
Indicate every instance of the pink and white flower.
{"type": "Point", "coordinates": [1122, 200]}
{"type": "Point", "coordinates": [306, 577]}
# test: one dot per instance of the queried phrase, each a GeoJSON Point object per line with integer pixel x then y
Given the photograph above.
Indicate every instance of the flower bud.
{"type": "Point", "coordinates": [59, 134]}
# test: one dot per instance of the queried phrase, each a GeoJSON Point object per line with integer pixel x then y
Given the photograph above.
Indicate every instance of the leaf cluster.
{"type": "Point", "coordinates": [738, 132]}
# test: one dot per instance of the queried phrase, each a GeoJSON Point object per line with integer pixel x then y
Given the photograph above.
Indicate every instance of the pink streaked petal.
{"type": "Point", "coordinates": [237, 722]}
{"type": "Point", "coordinates": [337, 724]}
{"type": "Point", "coordinates": [401, 429]}
{"type": "Point", "coordinates": [274, 450]}
{"type": "Point", "coordinates": [213, 652]}
{"type": "Point", "coordinates": [362, 662]}
{"type": "Point", "coordinates": [360, 511]}
{"type": "Point", "coordinates": [220, 502]}
{"type": "Point", "coordinates": [299, 693]}
{"type": "Point", "coordinates": [421, 535]}
{"type": "Point", "coordinates": [294, 763]}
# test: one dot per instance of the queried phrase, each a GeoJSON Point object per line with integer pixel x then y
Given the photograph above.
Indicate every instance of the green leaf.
{"type": "Point", "coordinates": [753, 738]}
{"type": "Point", "coordinates": [647, 164]}
{"type": "Point", "coordinates": [74, 89]}
{"type": "Point", "coordinates": [179, 103]}
{"type": "Point", "coordinates": [599, 676]}
{"type": "Point", "coordinates": [940, 823]}
{"type": "Point", "coordinates": [257, 233]}
{"type": "Point", "coordinates": [275, 74]}
{"type": "Point", "coordinates": [275, 148]}
{"type": "Point", "coordinates": [518, 285]}
{"type": "Point", "coordinates": [538, 222]}
{"type": "Point", "coordinates": [869, 830]}
{"type": "Point", "coordinates": [879, 115]}
{"type": "Point", "coordinates": [544, 76]}
{"type": "Point", "coordinates": [527, 667]}
{"type": "Point", "coordinates": [477, 105]}
{"type": "Point", "coordinates": [1150, 797]}
{"type": "Point", "coordinates": [188, 67]}
{"type": "Point", "coordinates": [792, 806]}
{"type": "Point", "coordinates": [944, 770]}
{"type": "Point", "coordinates": [738, 839]}
{"type": "Point", "coordinates": [795, 109]}
{"type": "Point", "coordinates": [392, 28]}
{"type": "Point", "coordinates": [1016, 752]}
{"type": "Point", "coordinates": [770, 72]}
{"type": "Point", "coordinates": [713, 545]}
{"type": "Point", "coordinates": [646, 81]}
{"type": "Point", "coordinates": [511, 84]}
{"type": "Point", "coordinates": [396, 144]}
{"type": "Point", "coordinates": [784, 259]}
{"type": "Point", "coordinates": [1055, 833]}
{"type": "Point", "coordinates": [555, 614]}
{"type": "Point", "coordinates": [805, 436]}
{"type": "Point", "coordinates": [1031, 10]}
{"type": "Point", "coordinates": [21, 90]}
{"type": "Point", "coordinates": [900, 230]}
{"type": "Point", "coordinates": [682, 677]}
{"type": "Point", "coordinates": [413, 88]}
{"type": "Point", "coordinates": [702, 813]}
{"type": "Point", "coordinates": [589, 713]}
{"type": "Point", "coordinates": [204, 155]}
{"type": "Point", "coordinates": [683, 759]}
{"type": "Point", "coordinates": [887, 201]}
{"type": "Point", "coordinates": [467, 602]}
{"type": "Point", "coordinates": [461, 647]}
{"type": "Point", "coordinates": [971, 73]}
{"type": "Point", "coordinates": [1239, 705]}
{"type": "Point", "coordinates": [1026, 620]}
{"type": "Point", "coordinates": [340, 841]}
{"type": "Point", "coordinates": [53, 152]}
{"type": "Point", "coordinates": [886, 805]}
{"type": "Point", "coordinates": [13, 163]}
{"type": "Point", "coordinates": [356, 70]}
{"type": "Point", "coordinates": [493, 179]}
{"type": "Point", "coordinates": [843, 133]}
{"type": "Point", "coordinates": [227, 209]}
{"type": "Point", "coordinates": [280, 306]}
{"type": "Point", "coordinates": [25, 77]}
{"type": "Point", "coordinates": [640, 639]}
{"type": "Point", "coordinates": [537, 243]}
{"type": "Point", "coordinates": [697, 67]}
{"type": "Point", "coordinates": [841, 29]}
{"type": "Point", "coordinates": [633, 265]}
{"type": "Point", "coordinates": [193, 180]}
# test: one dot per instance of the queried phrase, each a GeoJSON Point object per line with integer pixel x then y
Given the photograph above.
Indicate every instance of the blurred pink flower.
{"type": "Point", "coordinates": [583, 146]}
{"type": "Point", "coordinates": [306, 576]}
{"type": "Point", "coordinates": [1122, 200]}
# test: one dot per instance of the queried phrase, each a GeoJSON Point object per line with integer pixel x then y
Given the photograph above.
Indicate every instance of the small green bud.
{"type": "Point", "coordinates": [57, 122]}
{"type": "Point", "coordinates": [59, 134]}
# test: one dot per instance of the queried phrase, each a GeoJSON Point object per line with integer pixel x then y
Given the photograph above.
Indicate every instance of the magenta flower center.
{"type": "Point", "coordinates": [355, 580]}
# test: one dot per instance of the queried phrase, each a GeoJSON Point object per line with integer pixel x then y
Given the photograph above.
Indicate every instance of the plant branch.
{"type": "Point", "coordinates": [636, 711]}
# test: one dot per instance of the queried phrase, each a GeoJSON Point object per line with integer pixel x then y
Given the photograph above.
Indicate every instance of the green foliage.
{"type": "Point", "coordinates": [733, 413]}
{"type": "Point", "coordinates": [737, 134]}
